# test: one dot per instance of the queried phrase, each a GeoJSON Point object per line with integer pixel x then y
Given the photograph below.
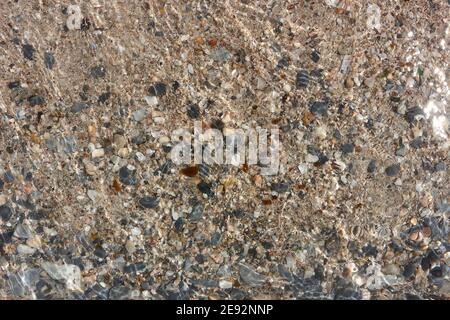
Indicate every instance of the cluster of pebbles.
{"type": "Point", "coordinates": [93, 207]}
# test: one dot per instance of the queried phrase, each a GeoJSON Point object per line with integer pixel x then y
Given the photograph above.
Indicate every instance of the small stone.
{"type": "Point", "coordinates": [372, 166]}
{"type": "Point", "coordinates": [392, 170]}
{"type": "Point", "coordinates": [417, 143]}
{"type": "Point", "coordinates": [261, 84]}
{"type": "Point", "coordinates": [215, 238]}
{"type": "Point", "coordinates": [139, 115]}
{"type": "Point", "coordinates": [140, 156]}
{"type": "Point", "coordinates": [49, 60]}
{"type": "Point", "coordinates": [8, 176]}
{"type": "Point", "coordinates": [345, 64]}
{"type": "Point", "coordinates": [224, 284]}
{"type": "Point", "coordinates": [196, 212]}
{"type": "Point", "coordinates": [151, 100]}
{"type": "Point", "coordinates": [193, 111]}
{"type": "Point", "coordinates": [349, 83]}
{"type": "Point", "coordinates": [320, 132]}
{"type": "Point", "coordinates": [3, 199]}
{"type": "Point", "coordinates": [283, 63]}
{"type": "Point", "coordinates": [401, 152]}
{"type": "Point", "coordinates": [179, 223]}
{"type": "Point", "coordinates": [36, 101]}
{"type": "Point", "coordinates": [348, 148]}
{"type": "Point", "coordinates": [104, 97]}
{"type": "Point", "coordinates": [23, 231]}
{"type": "Point", "coordinates": [315, 56]}
{"type": "Point", "coordinates": [130, 247]}
{"type": "Point", "coordinates": [409, 270]}
{"type": "Point", "coordinates": [69, 273]}
{"type": "Point", "coordinates": [414, 114]}
{"type": "Point", "coordinates": [98, 153]}
{"type": "Point", "coordinates": [280, 187]}
{"type": "Point", "coordinates": [319, 108]}
{"type": "Point", "coordinates": [303, 167]}
{"type": "Point", "coordinates": [14, 85]}
{"type": "Point", "coordinates": [101, 253]}
{"type": "Point", "coordinates": [120, 293]}
{"type": "Point", "coordinates": [25, 250]}
{"type": "Point", "coordinates": [93, 195]}
{"type": "Point", "coordinates": [5, 212]}
{"type": "Point", "coordinates": [250, 277]}
{"type": "Point", "coordinates": [127, 176]}
{"type": "Point", "coordinates": [311, 158]}
{"type": "Point", "coordinates": [28, 51]}
{"type": "Point", "coordinates": [221, 54]}
{"type": "Point", "coordinates": [149, 202]}
{"type": "Point", "coordinates": [440, 166]}
{"type": "Point", "coordinates": [90, 168]}
{"type": "Point", "coordinates": [78, 107]}
{"type": "Point", "coordinates": [158, 89]}
{"type": "Point", "coordinates": [98, 72]}
{"type": "Point", "coordinates": [302, 79]}
{"type": "Point", "coordinates": [205, 188]}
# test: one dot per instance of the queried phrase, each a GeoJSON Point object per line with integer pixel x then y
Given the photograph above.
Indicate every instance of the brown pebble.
{"type": "Point", "coordinates": [189, 171]}
{"type": "Point", "coordinates": [349, 83]}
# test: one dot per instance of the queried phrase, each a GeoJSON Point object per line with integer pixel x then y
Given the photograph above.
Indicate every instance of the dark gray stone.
{"type": "Point", "coordinates": [392, 170]}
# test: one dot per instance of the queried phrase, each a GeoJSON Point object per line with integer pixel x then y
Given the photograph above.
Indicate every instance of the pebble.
{"type": "Point", "coordinates": [221, 54]}
{"type": "Point", "coordinates": [250, 277]}
{"type": "Point", "coordinates": [149, 202]}
{"type": "Point", "coordinates": [417, 143]}
{"type": "Point", "coordinates": [196, 213]}
{"type": "Point", "coordinates": [372, 167]}
{"type": "Point", "coordinates": [69, 273]}
{"type": "Point", "coordinates": [78, 107]}
{"type": "Point", "coordinates": [158, 89]}
{"type": "Point", "coordinates": [25, 250]}
{"type": "Point", "coordinates": [139, 115]}
{"type": "Point", "coordinates": [347, 148]}
{"type": "Point", "coordinates": [127, 176]}
{"type": "Point", "coordinates": [205, 188]}
{"type": "Point", "coordinates": [93, 195]}
{"type": "Point", "coordinates": [193, 111]}
{"type": "Point", "coordinates": [98, 153]}
{"type": "Point", "coordinates": [36, 101]}
{"type": "Point", "coordinates": [414, 114]}
{"type": "Point", "coordinates": [28, 51]}
{"type": "Point", "coordinates": [224, 284]}
{"type": "Point", "coordinates": [302, 79]}
{"type": "Point", "coordinates": [392, 170]}
{"type": "Point", "coordinates": [5, 212]}
{"type": "Point", "coordinates": [315, 56]}
{"type": "Point", "coordinates": [151, 100]}
{"type": "Point", "coordinates": [23, 231]}
{"type": "Point", "coordinates": [215, 238]}
{"type": "Point", "coordinates": [280, 187]}
{"type": "Point", "coordinates": [104, 97]}
{"type": "Point", "coordinates": [3, 199]}
{"type": "Point", "coordinates": [49, 60]}
{"type": "Point", "coordinates": [140, 156]}
{"type": "Point", "coordinates": [303, 168]}
{"type": "Point", "coordinates": [319, 108]}
{"type": "Point", "coordinates": [311, 158]}
{"type": "Point", "coordinates": [130, 247]}
{"type": "Point", "coordinates": [98, 72]}
{"type": "Point", "coordinates": [179, 223]}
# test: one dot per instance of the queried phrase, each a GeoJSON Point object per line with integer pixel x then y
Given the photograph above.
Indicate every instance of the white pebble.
{"type": "Point", "coordinates": [98, 153]}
